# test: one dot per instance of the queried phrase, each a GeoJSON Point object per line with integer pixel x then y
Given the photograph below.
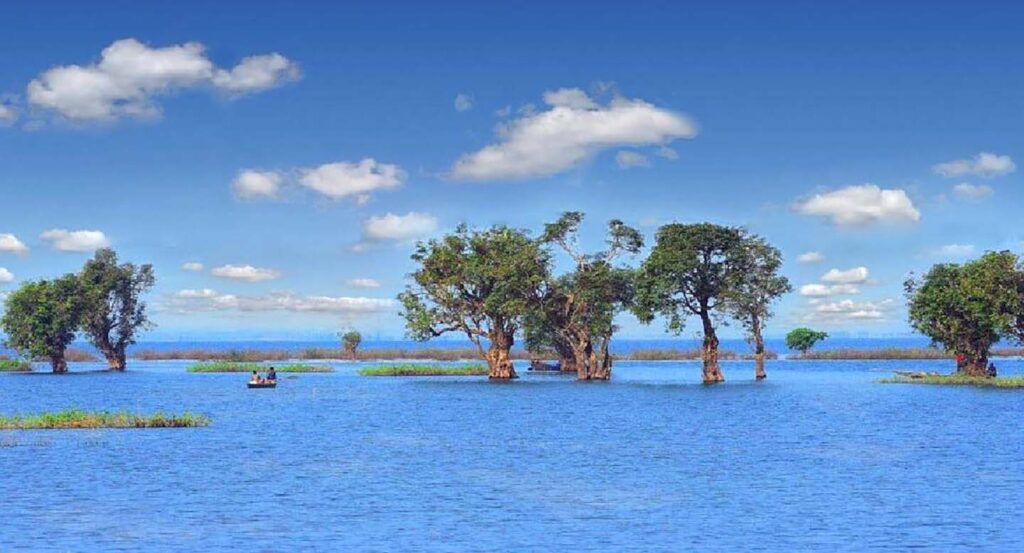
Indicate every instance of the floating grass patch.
{"type": "Point", "coordinates": [424, 370]}
{"type": "Point", "coordinates": [233, 367]}
{"type": "Point", "coordinates": [76, 418]}
{"type": "Point", "coordinates": [14, 365]}
{"type": "Point", "coordinates": [958, 380]}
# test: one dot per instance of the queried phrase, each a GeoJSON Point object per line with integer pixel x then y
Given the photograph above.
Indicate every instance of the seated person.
{"type": "Point", "coordinates": [255, 378]}
{"type": "Point", "coordinates": [271, 375]}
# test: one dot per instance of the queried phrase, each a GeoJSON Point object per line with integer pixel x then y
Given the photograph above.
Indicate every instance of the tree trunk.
{"type": "Point", "coordinates": [974, 364]}
{"type": "Point", "coordinates": [712, 371]}
{"type": "Point", "coordinates": [499, 358]}
{"type": "Point", "coordinates": [118, 362]}
{"type": "Point", "coordinates": [759, 373]}
{"type": "Point", "coordinates": [566, 364]}
{"type": "Point", "coordinates": [602, 367]}
{"type": "Point", "coordinates": [58, 364]}
{"type": "Point", "coordinates": [581, 358]}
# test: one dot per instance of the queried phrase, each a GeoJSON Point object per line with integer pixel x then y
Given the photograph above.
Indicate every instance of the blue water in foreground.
{"type": "Point", "coordinates": [818, 457]}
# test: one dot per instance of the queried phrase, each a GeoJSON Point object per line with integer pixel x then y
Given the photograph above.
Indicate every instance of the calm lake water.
{"type": "Point", "coordinates": [818, 457]}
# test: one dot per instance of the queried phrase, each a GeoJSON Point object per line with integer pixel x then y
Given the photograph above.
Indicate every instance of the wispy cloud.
{"type": "Point", "coordinates": [245, 272]}
{"type": "Point", "coordinates": [984, 164]}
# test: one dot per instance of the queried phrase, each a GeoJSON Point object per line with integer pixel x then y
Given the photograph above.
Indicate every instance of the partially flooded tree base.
{"type": "Point", "coordinates": [499, 362]}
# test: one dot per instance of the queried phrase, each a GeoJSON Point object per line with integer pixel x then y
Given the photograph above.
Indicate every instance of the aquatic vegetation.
{"type": "Point", "coordinates": [76, 418]}
{"type": "Point", "coordinates": [233, 367]}
{"type": "Point", "coordinates": [895, 353]}
{"type": "Point", "coordinates": [14, 365]}
{"type": "Point", "coordinates": [411, 369]}
{"type": "Point", "coordinates": [959, 380]}
{"type": "Point", "coordinates": [668, 354]}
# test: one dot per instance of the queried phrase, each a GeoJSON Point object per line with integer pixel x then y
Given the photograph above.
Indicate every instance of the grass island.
{"type": "Point", "coordinates": [235, 367]}
{"type": "Point", "coordinates": [411, 369]}
{"type": "Point", "coordinates": [79, 419]}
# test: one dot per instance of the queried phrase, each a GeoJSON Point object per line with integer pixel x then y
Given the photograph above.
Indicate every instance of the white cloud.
{"type": "Point", "coordinates": [847, 310]}
{"type": "Point", "coordinates": [245, 272]}
{"type": "Point", "coordinates": [954, 251]}
{"type": "Point", "coordinates": [503, 112]}
{"type": "Point", "coordinates": [666, 152]}
{"type": "Point", "coordinates": [573, 129]}
{"type": "Point", "coordinates": [972, 192]}
{"type": "Point", "coordinates": [8, 114]}
{"type": "Point", "coordinates": [984, 165]}
{"type": "Point", "coordinates": [9, 243]}
{"type": "Point", "coordinates": [860, 205]}
{"type": "Point", "coordinates": [627, 159]}
{"type": "Point", "coordinates": [192, 267]}
{"type": "Point", "coordinates": [343, 178]}
{"type": "Point", "coordinates": [810, 257]}
{"type": "Point", "coordinates": [823, 290]}
{"type": "Point", "coordinates": [256, 73]}
{"type": "Point", "coordinates": [6, 276]}
{"type": "Point", "coordinates": [463, 102]}
{"type": "Point", "coordinates": [187, 301]}
{"type": "Point", "coordinates": [129, 74]}
{"type": "Point", "coordinates": [250, 184]}
{"type": "Point", "coordinates": [363, 283]}
{"type": "Point", "coordinates": [856, 275]}
{"type": "Point", "coordinates": [395, 228]}
{"type": "Point", "coordinates": [75, 240]}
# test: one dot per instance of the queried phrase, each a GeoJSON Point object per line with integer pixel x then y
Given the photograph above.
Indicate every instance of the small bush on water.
{"type": "Point", "coordinates": [14, 365]}
{"type": "Point", "coordinates": [235, 367]}
{"type": "Point", "coordinates": [76, 418]}
{"type": "Point", "coordinates": [959, 380]}
{"type": "Point", "coordinates": [424, 370]}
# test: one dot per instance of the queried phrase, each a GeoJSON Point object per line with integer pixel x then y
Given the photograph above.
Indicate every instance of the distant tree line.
{"type": "Point", "coordinates": [103, 302]}
{"type": "Point", "coordinates": [494, 284]}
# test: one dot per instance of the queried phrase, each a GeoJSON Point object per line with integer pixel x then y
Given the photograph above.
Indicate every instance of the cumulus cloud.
{"type": "Point", "coordinates": [821, 290]}
{"type": "Point", "coordinates": [363, 283]}
{"type": "Point", "coordinates": [344, 179]}
{"type": "Point", "coordinates": [75, 240]}
{"type": "Point", "coordinates": [130, 74]}
{"type": "Point", "coordinates": [844, 311]}
{"type": "Point", "coordinates": [970, 191]}
{"type": "Point", "coordinates": [6, 276]}
{"type": "Point", "coordinates": [396, 228]}
{"type": "Point", "coordinates": [9, 243]}
{"type": "Point", "coordinates": [810, 257]}
{"type": "Point", "coordinates": [187, 301]}
{"type": "Point", "coordinates": [463, 102]}
{"type": "Point", "coordinates": [245, 272]}
{"type": "Point", "coordinates": [627, 159]}
{"type": "Point", "coordinates": [251, 184]}
{"type": "Point", "coordinates": [856, 275]}
{"type": "Point", "coordinates": [192, 267]}
{"type": "Point", "coordinates": [984, 164]}
{"type": "Point", "coordinates": [256, 73]}
{"type": "Point", "coordinates": [861, 205]}
{"type": "Point", "coordinates": [574, 128]}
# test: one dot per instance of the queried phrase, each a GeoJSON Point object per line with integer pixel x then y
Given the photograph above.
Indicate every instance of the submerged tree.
{"type": "Point", "coordinates": [691, 271]}
{"type": "Point", "coordinates": [803, 339]}
{"type": "Point", "coordinates": [350, 342]}
{"type": "Point", "coordinates": [41, 318]}
{"type": "Point", "coordinates": [577, 310]}
{"type": "Point", "coordinates": [751, 298]}
{"type": "Point", "coordinates": [968, 308]}
{"type": "Point", "coordinates": [113, 310]}
{"type": "Point", "coordinates": [479, 283]}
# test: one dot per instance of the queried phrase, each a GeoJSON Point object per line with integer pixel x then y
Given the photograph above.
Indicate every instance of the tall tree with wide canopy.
{"type": "Point", "coordinates": [114, 312]}
{"type": "Point", "coordinates": [479, 283]}
{"type": "Point", "coordinates": [968, 308]}
{"type": "Point", "coordinates": [691, 272]}
{"type": "Point", "coordinates": [579, 308]}
{"type": "Point", "coordinates": [41, 319]}
{"type": "Point", "coordinates": [751, 298]}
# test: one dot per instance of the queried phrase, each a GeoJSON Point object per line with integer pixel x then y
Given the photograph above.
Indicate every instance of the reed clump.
{"type": "Point", "coordinates": [959, 380]}
{"type": "Point", "coordinates": [411, 369]}
{"type": "Point", "coordinates": [237, 367]}
{"type": "Point", "coordinates": [14, 365]}
{"type": "Point", "coordinates": [77, 418]}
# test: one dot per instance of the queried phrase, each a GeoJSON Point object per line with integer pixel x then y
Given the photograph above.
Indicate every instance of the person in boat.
{"type": "Point", "coordinates": [255, 378]}
{"type": "Point", "coordinates": [271, 375]}
{"type": "Point", "coordinates": [992, 370]}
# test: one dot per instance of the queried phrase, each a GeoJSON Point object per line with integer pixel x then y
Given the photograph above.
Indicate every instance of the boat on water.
{"type": "Point", "coordinates": [269, 384]}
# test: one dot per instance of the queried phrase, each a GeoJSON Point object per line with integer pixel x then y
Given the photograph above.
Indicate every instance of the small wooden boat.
{"type": "Point", "coordinates": [271, 384]}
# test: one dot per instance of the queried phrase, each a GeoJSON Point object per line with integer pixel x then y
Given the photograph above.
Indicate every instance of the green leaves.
{"type": "Point", "coordinates": [41, 317]}
{"type": "Point", "coordinates": [803, 339]}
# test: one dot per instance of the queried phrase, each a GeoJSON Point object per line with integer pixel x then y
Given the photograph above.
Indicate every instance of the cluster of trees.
{"type": "Point", "coordinates": [102, 302]}
{"type": "Point", "coordinates": [966, 308]}
{"type": "Point", "coordinates": [494, 284]}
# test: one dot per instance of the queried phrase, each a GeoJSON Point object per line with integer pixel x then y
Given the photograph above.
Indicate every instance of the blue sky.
{"type": "Point", "coordinates": [883, 136]}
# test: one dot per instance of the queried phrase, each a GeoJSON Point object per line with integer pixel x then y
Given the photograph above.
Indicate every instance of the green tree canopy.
{"type": "Point", "coordinates": [691, 271]}
{"type": "Point", "coordinates": [41, 318]}
{"type": "Point", "coordinates": [479, 283]}
{"type": "Point", "coordinates": [759, 285]}
{"type": "Point", "coordinates": [803, 339]}
{"type": "Point", "coordinates": [967, 308]}
{"type": "Point", "coordinates": [113, 310]}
